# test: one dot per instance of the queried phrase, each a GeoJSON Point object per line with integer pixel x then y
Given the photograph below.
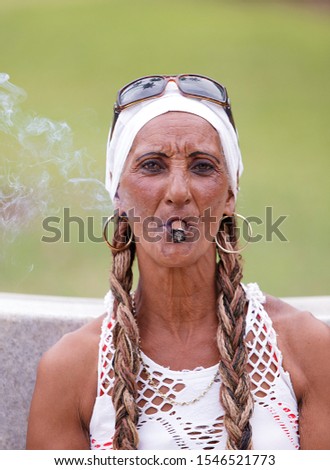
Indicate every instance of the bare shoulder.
{"type": "Point", "coordinates": [65, 391]}
{"type": "Point", "coordinates": [305, 344]}
{"type": "Point", "coordinates": [301, 328]}
{"type": "Point", "coordinates": [74, 350]}
{"type": "Point", "coordinates": [74, 360]}
{"type": "Point", "coordinates": [303, 339]}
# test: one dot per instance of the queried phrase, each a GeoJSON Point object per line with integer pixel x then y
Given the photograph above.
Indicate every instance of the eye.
{"type": "Point", "coordinates": [152, 166]}
{"type": "Point", "coordinates": [202, 167]}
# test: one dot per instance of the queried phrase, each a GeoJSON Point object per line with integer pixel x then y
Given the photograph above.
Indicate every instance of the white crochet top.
{"type": "Point", "coordinates": [164, 425]}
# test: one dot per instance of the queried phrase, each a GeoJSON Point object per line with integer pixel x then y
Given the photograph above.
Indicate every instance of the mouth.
{"type": "Point", "coordinates": [179, 229]}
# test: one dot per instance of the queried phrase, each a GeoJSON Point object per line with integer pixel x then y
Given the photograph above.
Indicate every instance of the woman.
{"type": "Point", "coordinates": [193, 359]}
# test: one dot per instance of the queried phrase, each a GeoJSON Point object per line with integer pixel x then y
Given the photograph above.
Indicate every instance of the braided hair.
{"type": "Point", "coordinates": [235, 392]}
{"type": "Point", "coordinates": [126, 362]}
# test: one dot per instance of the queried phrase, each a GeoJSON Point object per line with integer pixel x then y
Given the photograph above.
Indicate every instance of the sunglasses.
{"type": "Point", "coordinates": [192, 86]}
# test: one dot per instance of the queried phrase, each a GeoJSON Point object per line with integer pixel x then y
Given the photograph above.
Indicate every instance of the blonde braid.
{"type": "Point", "coordinates": [235, 392]}
{"type": "Point", "coordinates": [126, 362]}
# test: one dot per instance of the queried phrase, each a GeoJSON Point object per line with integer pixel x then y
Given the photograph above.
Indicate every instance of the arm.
{"type": "Point", "coordinates": [305, 345]}
{"type": "Point", "coordinates": [315, 402]}
{"type": "Point", "coordinates": [56, 419]}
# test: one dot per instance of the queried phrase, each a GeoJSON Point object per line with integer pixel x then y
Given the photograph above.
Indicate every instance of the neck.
{"type": "Point", "coordinates": [176, 312]}
{"type": "Point", "coordinates": [174, 301]}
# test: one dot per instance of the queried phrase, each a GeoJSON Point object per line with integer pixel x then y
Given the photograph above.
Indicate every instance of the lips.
{"type": "Point", "coordinates": [175, 223]}
{"type": "Point", "coordinates": [175, 228]}
{"type": "Point", "coordinates": [181, 223]}
{"type": "Point", "coordinates": [178, 224]}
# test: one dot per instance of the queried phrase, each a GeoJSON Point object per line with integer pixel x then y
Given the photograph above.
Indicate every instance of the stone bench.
{"type": "Point", "coordinates": [31, 324]}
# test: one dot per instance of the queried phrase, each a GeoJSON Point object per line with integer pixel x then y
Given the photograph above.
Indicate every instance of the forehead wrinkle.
{"type": "Point", "coordinates": [177, 137]}
{"type": "Point", "coordinates": [177, 145]}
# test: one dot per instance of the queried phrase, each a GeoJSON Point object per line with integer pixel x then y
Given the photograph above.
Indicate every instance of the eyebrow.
{"type": "Point", "coordinates": [149, 154]}
{"type": "Point", "coordinates": [191, 155]}
{"type": "Point", "coordinates": [200, 152]}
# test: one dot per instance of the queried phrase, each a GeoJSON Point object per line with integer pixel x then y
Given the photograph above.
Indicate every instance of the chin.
{"type": "Point", "coordinates": [174, 255]}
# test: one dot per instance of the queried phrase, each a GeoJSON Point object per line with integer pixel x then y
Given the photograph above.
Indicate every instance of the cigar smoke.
{"type": "Point", "coordinates": [40, 168]}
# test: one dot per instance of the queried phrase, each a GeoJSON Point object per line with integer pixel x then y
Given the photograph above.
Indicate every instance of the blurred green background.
{"type": "Point", "coordinates": [71, 56]}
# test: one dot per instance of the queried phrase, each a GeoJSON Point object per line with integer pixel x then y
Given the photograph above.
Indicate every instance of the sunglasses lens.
{"type": "Point", "coordinates": [202, 86]}
{"type": "Point", "coordinates": [141, 89]}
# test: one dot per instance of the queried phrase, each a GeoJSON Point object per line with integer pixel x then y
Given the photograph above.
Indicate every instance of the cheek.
{"type": "Point", "coordinates": [139, 200]}
{"type": "Point", "coordinates": [212, 195]}
{"type": "Point", "coordinates": [212, 204]}
{"type": "Point", "coordinates": [134, 193]}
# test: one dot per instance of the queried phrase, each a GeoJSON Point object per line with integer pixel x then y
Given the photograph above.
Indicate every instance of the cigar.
{"type": "Point", "coordinates": [178, 234]}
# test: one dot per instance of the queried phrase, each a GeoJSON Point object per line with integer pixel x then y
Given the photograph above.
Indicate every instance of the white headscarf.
{"type": "Point", "coordinates": [133, 118]}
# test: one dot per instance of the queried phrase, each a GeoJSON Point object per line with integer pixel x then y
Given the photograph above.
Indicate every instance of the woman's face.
{"type": "Point", "coordinates": [175, 171]}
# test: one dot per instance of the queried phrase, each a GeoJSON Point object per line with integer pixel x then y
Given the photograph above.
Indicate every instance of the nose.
{"type": "Point", "coordinates": [178, 189]}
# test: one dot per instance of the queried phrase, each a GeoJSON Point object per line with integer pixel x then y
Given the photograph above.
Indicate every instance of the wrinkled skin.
{"type": "Point", "coordinates": [176, 168]}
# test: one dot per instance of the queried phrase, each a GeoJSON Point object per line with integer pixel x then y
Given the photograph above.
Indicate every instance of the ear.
{"type": "Point", "coordinates": [119, 209]}
{"type": "Point", "coordinates": [230, 203]}
{"type": "Point", "coordinates": [117, 205]}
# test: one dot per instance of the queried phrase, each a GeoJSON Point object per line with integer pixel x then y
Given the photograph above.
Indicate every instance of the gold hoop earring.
{"type": "Point", "coordinates": [250, 233]}
{"type": "Point", "coordinates": [113, 248]}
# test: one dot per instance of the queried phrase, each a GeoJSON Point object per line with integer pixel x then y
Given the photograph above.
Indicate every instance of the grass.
{"type": "Point", "coordinates": [71, 57]}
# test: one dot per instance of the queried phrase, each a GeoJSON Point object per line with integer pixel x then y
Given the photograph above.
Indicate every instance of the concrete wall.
{"type": "Point", "coordinates": [29, 325]}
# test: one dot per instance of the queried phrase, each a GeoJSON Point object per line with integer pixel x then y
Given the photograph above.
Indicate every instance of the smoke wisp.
{"type": "Point", "coordinates": [40, 168]}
